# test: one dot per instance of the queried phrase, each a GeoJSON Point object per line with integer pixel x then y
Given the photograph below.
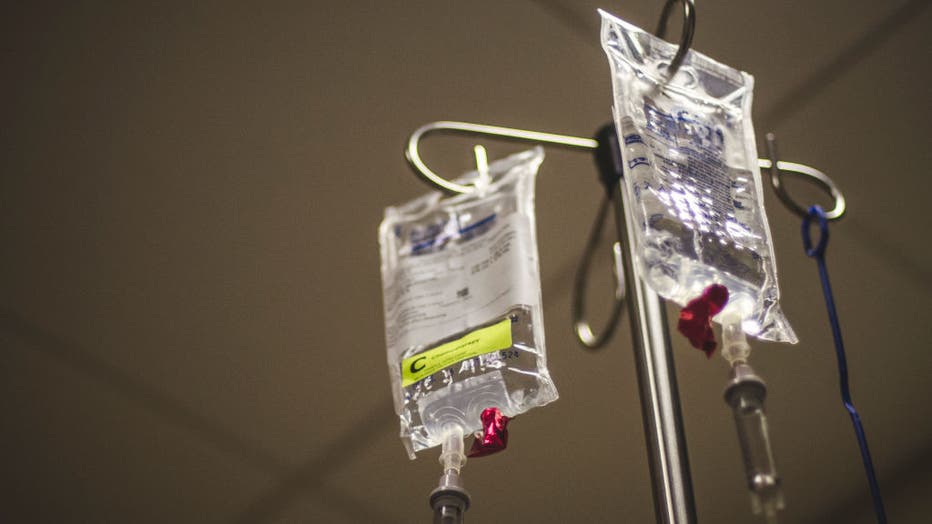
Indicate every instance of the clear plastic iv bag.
{"type": "Point", "coordinates": [692, 177]}
{"type": "Point", "coordinates": [463, 320]}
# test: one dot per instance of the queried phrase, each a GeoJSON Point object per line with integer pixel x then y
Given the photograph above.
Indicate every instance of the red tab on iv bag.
{"type": "Point", "coordinates": [696, 318]}
{"type": "Point", "coordinates": [494, 435]}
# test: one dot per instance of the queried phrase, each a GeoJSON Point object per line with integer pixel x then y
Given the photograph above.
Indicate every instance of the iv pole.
{"type": "Point", "coordinates": [674, 502]}
{"type": "Point", "coordinates": [660, 399]}
{"type": "Point", "coordinates": [668, 459]}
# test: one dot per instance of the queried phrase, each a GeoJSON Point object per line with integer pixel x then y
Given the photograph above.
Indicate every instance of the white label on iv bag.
{"type": "Point", "coordinates": [461, 285]}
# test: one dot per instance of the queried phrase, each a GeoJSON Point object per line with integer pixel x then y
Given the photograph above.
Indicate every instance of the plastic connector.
{"type": "Point", "coordinates": [452, 454]}
{"type": "Point", "coordinates": [745, 394]}
{"type": "Point", "coordinates": [450, 500]}
{"type": "Point", "coordinates": [735, 347]}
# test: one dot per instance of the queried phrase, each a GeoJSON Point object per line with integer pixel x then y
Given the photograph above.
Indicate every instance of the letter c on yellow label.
{"type": "Point", "coordinates": [413, 367]}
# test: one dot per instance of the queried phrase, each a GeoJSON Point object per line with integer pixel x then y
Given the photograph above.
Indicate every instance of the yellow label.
{"type": "Point", "coordinates": [479, 342]}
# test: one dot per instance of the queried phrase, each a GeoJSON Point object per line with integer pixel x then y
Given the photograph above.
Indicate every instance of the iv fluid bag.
{"type": "Point", "coordinates": [692, 177]}
{"type": "Point", "coordinates": [463, 320]}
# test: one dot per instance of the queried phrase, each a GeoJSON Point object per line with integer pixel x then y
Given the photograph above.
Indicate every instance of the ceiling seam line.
{"type": "Point", "coordinates": [308, 478]}
{"type": "Point", "coordinates": [79, 360]}
{"type": "Point", "coordinates": [849, 56]}
{"type": "Point", "coordinates": [83, 362]}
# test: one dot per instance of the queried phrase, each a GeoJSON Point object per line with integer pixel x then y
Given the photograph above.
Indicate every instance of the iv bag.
{"type": "Point", "coordinates": [692, 176]}
{"type": "Point", "coordinates": [461, 289]}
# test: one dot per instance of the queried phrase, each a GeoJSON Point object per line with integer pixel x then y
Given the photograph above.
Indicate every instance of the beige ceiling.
{"type": "Point", "coordinates": [190, 304]}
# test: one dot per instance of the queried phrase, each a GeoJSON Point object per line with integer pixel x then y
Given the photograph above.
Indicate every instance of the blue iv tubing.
{"type": "Point", "coordinates": [818, 253]}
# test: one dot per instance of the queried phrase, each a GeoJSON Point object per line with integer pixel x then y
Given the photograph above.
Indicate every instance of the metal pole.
{"type": "Point", "coordinates": [660, 402]}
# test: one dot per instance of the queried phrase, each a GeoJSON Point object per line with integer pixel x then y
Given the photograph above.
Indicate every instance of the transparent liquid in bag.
{"type": "Point", "coordinates": [463, 319]}
{"type": "Point", "coordinates": [692, 176]}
